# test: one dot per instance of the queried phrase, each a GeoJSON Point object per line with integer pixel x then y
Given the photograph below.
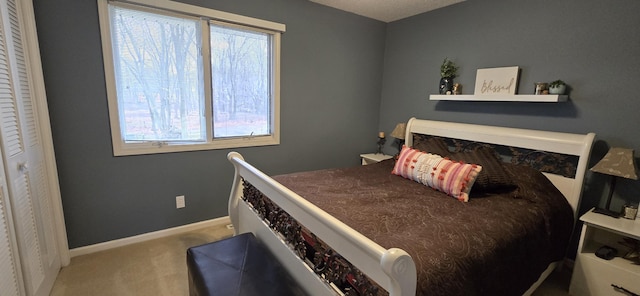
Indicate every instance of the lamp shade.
{"type": "Point", "coordinates": [617, 162]}
{"type": "Point", "coordinates": [399, 131]}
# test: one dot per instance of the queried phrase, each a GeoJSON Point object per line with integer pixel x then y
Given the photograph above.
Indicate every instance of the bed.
{"type": "Point", "coordinates": [383, 228]}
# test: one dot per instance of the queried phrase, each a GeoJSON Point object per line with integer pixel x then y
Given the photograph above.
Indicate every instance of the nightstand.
{"type": "Point", "coordinates": [593, 275]}
{"type": "Point", "coordinates": [371, 158]}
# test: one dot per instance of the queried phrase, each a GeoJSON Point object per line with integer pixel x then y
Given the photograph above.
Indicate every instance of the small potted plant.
{"type": "Point", "coordinates": [557, 87]}
{"type": "Point", "coordinates": [448, 71]}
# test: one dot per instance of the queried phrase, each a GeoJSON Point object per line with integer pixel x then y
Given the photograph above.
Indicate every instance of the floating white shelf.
{"type": "Point", "coordinates": [501, 98]}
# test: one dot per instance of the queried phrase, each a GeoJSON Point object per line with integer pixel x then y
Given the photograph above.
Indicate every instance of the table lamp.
{"type": "Point", "coordinates": [381, 141]}
{"type": "Point", "coordinates": [618, 162]}
{"type": "Point", "coordinates": [398, 133]}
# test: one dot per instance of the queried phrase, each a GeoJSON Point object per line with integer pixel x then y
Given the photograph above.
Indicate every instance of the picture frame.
{"type": "Point", "coordinates": [497, 81]}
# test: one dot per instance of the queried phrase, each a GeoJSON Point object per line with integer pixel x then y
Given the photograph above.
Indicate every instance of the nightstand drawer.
{"type": "Point", "coordinates": [594, 276]}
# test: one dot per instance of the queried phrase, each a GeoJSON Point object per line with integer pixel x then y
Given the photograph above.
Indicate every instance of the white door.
{"type": "Point", "coordinates": [24, 159]}
{"type": "Point", "coordinates": [10, 277]}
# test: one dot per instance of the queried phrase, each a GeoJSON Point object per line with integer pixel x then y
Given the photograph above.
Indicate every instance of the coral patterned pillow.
{"type": "Point", "coordinates": [453, 178]}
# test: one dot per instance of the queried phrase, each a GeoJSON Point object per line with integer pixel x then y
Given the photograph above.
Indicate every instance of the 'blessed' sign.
{"type": "Point", "coordinates": [497, 81]}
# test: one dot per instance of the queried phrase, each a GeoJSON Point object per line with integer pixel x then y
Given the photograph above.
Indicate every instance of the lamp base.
{"type": "Point", "coordinates": [607, 212]}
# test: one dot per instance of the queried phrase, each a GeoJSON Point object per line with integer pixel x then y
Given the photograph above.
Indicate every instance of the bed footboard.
{"type": "Point", "coordinates": [392, 269]}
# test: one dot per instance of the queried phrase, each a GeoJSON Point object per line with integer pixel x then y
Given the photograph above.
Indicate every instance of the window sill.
{"type": "Point", "coordinates": [121, 149]}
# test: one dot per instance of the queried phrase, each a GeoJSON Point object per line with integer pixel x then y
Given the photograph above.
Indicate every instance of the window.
{"type": "Point", "coordinates": [183, 78]}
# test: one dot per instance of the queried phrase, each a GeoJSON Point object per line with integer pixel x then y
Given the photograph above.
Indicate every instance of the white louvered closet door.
{"type": "Point", "coordinates": [10, 277]}
{"type": "Point", "coordinates": [24, 161]}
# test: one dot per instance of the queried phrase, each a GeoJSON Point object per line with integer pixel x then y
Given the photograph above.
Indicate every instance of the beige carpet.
{"type": "Point", "coordinates": [158, 267]}
{"type": "Point", "coordinates": [154, 268]}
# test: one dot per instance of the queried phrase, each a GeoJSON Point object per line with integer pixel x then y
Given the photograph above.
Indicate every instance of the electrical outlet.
{"type": "Point", "coordinates": [180, 202]}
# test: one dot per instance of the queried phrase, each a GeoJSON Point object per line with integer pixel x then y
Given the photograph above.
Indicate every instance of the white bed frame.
{"type": "Point", "coordinates": [393, 269]}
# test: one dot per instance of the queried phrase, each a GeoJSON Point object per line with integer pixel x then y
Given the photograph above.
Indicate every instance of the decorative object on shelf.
{"type": "Point", "coordinates": [398, 133]}
{"type": "Point", "coordinates": [629, 211]}
{"type": "Point", "coordinates": [381, 141]}
{"type": "Point", "coordinates": [618, 162]}
{"type": "Point", "coordinates": [446, 84]}
{"type": "Point", "coordinates": [497, 81]}
{"type": "Point", "coordinates": [541, 88]}
{"type": "Point", "coordinates": [457, 89]}
{"type": "Point", "coordinates": [557, 87]}
{"type": "Point", "coordinates": [448, 71]}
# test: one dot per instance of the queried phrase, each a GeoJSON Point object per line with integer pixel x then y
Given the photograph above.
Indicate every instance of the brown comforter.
{"type": "Point", "coordinates": [492, 245]}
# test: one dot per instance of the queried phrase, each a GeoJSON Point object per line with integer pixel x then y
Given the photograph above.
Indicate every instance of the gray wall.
{"type": "Point", "coordinates": [331, 85]}
{"type": "Point", "coordinates": [344, 77]}
{"type": "Point", "coordinates": [593, 45]}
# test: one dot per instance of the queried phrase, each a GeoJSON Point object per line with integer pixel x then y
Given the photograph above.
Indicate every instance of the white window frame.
{"type": "Point", "coordinates": [121, 148]}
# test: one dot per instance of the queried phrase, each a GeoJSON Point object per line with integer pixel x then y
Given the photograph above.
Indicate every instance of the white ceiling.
{"type": "Point", "coordinates": [387, 10]}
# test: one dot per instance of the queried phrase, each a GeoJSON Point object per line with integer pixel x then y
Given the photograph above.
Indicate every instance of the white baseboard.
{"type": "Point", "coordinates": [147, 236]}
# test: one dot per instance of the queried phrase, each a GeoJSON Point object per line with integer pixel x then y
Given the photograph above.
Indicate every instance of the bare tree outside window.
{"type": "Point", "coordinates": [241, 93]}
{"type": "Point", "coordinates": [158, 77]}
{"type": "Point", "coordinates": [185, 78]}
